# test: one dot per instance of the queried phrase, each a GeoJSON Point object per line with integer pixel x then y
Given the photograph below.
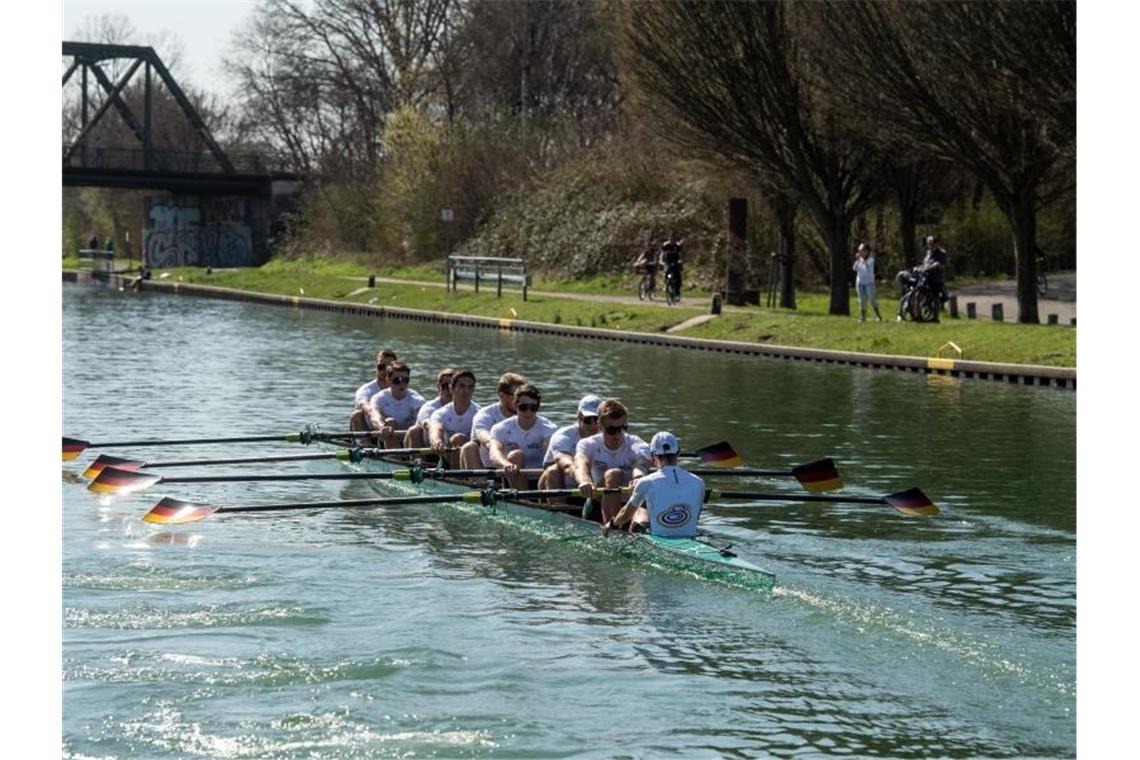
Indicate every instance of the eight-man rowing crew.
{"type": "Point", "coordinates": [595, 452]}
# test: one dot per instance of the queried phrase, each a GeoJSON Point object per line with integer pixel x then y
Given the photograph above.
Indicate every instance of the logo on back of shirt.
{"type": "Point", "coordinates": [675, 516]}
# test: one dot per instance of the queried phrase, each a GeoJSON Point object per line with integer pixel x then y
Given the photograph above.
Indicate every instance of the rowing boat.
{"type": "Point", "coordinates": [693, 556]}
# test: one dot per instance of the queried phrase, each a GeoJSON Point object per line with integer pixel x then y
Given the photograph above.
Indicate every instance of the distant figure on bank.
{"type": "Point", "coordinates": [865, 281]}
{"type": "Point", "coordinates": [110, 246]}
{"type": "Point", "coordinates": [93, 243]}
{"type": "Point", "coordinates": [935, 263]}
{"type": "Point", "coordinates": [646, 264]}
{"type": "Point", "coordinates": [671, 258]}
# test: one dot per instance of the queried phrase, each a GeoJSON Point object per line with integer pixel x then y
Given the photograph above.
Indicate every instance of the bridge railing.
{"type": "Point", "coordinates": [135, 159]}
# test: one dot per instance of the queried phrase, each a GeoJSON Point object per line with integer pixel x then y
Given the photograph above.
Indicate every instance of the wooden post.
{"type": "Point", "coordinates": [1052, 319]}
{"type": "Point", "coordinates": [371, 280]}
{"type": "Point", "coordinates": [499, 291]}
{"type": "Point", "coordinates": [954, 307]}
{"type": "Point", "coordinates": [971, 310]}
{"type": "Point", "coordinates": [998, 312]}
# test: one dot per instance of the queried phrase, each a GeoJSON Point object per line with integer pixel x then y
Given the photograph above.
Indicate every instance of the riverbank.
{"type": "Point", "coordinates": [935, 349]}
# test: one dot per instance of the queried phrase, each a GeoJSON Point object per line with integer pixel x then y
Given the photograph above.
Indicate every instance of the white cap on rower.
{"type": "Point", "coordinates": [588, 406]}
{"type": "Point", "coordinates": [664, 443]}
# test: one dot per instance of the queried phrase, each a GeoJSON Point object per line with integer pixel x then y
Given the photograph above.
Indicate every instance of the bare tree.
{"type": "Point", "coordinates": [988, 85]}
{"type": "Point", "coordinates": [734, 79]}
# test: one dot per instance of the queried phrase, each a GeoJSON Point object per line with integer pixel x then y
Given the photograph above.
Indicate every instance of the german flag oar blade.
{"type": "Point", "coordinates": [112, 480]}
{"type": "Point", "coordinates": [719, 455]}
{"type": "Point", "coordinates": [106, 460]}
{"type": "Point", "coordinates": [73, 447]}
{"type": "Point", "coordinates": [174, 512]}
{"type": "Point", "coordinates": [912, 503]}
{"type": "Point", "coordinates": [817, 476]}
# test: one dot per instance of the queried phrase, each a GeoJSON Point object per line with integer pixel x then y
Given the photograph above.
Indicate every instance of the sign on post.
{"type": "Point", "coordinates": [446, 215]}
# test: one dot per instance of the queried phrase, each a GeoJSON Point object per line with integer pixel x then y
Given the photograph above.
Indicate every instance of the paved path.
{"type": "Point", "coordinates": [1061, 298]}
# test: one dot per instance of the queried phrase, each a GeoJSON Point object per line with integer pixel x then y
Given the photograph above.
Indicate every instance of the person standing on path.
{"type": "Point", "coordinates": [865, 281]}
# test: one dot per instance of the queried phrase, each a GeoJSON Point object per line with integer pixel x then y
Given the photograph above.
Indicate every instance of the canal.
{"type": "Point", "coordinates": [425, 630]}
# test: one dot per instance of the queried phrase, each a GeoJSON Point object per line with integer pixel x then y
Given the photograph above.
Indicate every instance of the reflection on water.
{"type": "Point", "coordinates": [426, 629]}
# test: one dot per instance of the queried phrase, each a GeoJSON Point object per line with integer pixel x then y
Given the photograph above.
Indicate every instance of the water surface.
{"type": "Point", "coordinates": [428, 631]}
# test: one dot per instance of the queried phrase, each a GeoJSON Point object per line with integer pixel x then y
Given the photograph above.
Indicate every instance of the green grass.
{"type": "Point", "coordinates": [808, 326]}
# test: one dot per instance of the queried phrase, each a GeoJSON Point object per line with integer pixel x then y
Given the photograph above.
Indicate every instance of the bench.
{"type": "Point", "coordinates": [101, 261]}
{"type": "Point", "coordinates": [487, 268]}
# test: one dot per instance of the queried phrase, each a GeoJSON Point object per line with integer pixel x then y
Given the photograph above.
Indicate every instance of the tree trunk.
{"type": "Point", "coordinates": [840, 260]}
{"type": "Point", "coordinates": [785, 209]}
{"type": "Point", "coordinates": [1023, 221]}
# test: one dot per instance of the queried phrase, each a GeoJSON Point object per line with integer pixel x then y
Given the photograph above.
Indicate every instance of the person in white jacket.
{"type": "Point", "coordinates": [865, 281]}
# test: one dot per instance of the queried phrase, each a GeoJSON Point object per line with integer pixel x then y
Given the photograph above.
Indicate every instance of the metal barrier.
{"type": "Point", "coordinates": [487, 268]}
{"type": "Point", "coordinates": [102, 261]}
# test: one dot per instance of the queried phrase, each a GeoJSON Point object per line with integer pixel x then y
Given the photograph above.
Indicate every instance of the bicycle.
{"type": "Point", "coordinates": [672, 287]}
{"type": "Point", "coordinates": [647, 285]}
{"type": "Point", "coordinates": [918, 301]}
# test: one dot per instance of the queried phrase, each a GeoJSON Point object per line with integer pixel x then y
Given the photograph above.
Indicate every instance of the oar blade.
{"type": "Point", "coordinates": [818, 476]}
{"type": "Point", "coordinates": [174, 512]}
{"type": "Point", "coordinates": [73, 447]}
{"type": "Point", "coordinates": [104, 461]}
{"type": "Point", "coordinates": [912, 503]}
{"type": "Point", "coordinates": [113, 480]}
{"type": "Point", "coordinates": [719, 455]}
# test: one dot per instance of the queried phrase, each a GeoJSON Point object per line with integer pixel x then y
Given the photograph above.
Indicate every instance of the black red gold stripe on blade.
{"type": "Point", "coordinates": [720, 455]}
{"type": "Point", "coordinates": [106, 460]}
{"type": "Point", "coordinates": [72, 448]}
{"type": "Point", "coordinates": [112, 480]}
{"type": "Point", "coordinates": [817, 476]}
{"type": "Point", "coordinates": [173, 512]}
{"type": "Point", "coordinates": [912, 502]}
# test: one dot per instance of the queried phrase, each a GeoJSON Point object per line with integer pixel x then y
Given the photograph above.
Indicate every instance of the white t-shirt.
{"type": "Point", "coordinates": [402, 410]}
{"type": "Point", "coordinates": [424, 415]}
{"type": "Point", "coordinates": [533, 442]}
{"type": "Point", "coordinates": [367, 391]}
{"type": "Point", "coordinates": [864, 271]}
{"type": "Point", "coordinates": [564, 440]}
{"type": "Point", "coordinates": [487, 418]}
{"type": "Point", "coordinates": [673, 497]}
{"type": "Point", "coordinates": [632, 451]}
{"type": "Point", "coordinates": [452, 421]}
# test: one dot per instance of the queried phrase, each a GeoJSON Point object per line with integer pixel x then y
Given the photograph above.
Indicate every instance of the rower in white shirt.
{"type": "Point", "coordinates": [519, 442]}
{"type": "Point", "coordinates": [362, 416]}
{"type": "Point", "coordinates": [395, 407]}
{"type": "Point", "coordinates": [476, 454]}
{"type": "Point", "coordinates": [610, 459]}
{"type": "Point", "coordinates": [417, 435]}
{"type": "Point", "coordinates": [559, 458]}
{"type": "Point", "coordinates": [450, 427]}
{"type": "Point", "coordinates": [666, 502]}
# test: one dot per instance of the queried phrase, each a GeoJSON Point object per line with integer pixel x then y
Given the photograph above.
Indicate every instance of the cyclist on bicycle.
{"type": "Point", "coordinates": [671, 259]}
{"type": "Point", "coordinates": [646, 265]}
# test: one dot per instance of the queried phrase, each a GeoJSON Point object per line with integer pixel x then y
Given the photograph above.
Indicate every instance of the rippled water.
{"type": "Point", "coordinates": [430, 631]}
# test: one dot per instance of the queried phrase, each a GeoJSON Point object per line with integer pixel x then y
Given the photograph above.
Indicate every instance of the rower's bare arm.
{"type": "Point", "coordinates": [497, 455]}
{"type": "Point", "coordinates": [582, 473]}
{"type": "Point", "coordinates": [435, 435]}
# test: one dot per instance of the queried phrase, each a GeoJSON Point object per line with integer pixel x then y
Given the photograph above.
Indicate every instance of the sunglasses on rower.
{"type": "Point", "coordinates": [398, 380]}
{"type": "Point", "coordinates": [615, 429]}
{"type": "Point", "coordinates": [527, 406]}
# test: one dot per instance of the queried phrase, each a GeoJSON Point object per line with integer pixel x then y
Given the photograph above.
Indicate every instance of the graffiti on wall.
{"type": "Point", "coordinates": [213, 235]}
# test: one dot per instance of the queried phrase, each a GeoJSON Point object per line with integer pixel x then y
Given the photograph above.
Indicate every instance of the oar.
{"type": "Point", "coordinates": [73, 447]}
{"type": "Point", "coordinates": [911, 502]}
{"type": "Point", "coordinates": [820, 475]}
{"type": "Point", "coordinates": [348, 455]}
{"type": "Point", "coordinates": [114, 480]}
{"type": "Point", "coordinates": [170, 511]}
{"type": "Point", "coordinates": [720, 454]}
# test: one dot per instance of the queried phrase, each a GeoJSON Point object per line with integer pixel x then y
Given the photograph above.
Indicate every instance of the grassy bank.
{"type": "Point", "coordinates": [809, 326]}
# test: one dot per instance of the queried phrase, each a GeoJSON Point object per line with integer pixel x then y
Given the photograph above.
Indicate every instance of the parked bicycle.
{"type": "Point", "coordinates": [919, 300]}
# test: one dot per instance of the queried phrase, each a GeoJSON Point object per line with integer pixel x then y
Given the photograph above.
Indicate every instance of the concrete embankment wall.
{"type": "Point", "coordinates": [1022, 374]}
